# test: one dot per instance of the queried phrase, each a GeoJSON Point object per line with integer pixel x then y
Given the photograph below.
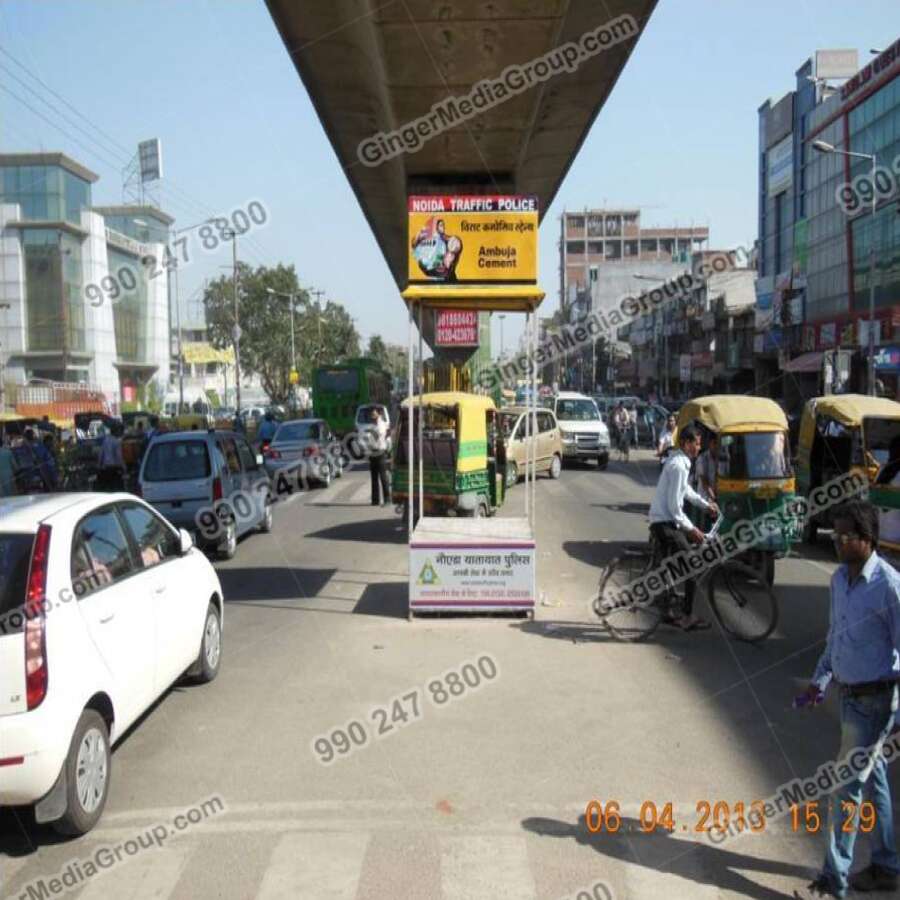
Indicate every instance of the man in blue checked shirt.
{"type": "Point", "coordinates": [862, 657]}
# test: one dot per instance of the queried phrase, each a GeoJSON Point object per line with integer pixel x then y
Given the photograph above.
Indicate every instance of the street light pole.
{"type": "Point", "coordinates": [825, 147]}
{"type": "Point", "coordinates": [291, 299]}
{"type": "Point", "coordinates": [3, 306]}
{"type": "Point", "coordinates": [237, 327]}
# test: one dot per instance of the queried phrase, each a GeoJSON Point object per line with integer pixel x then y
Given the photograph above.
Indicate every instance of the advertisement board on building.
{"type": "Point", "coordinates": [456, 328]}
{"type": "Point", "coordinates": [887, 359]}
{"type": "Point", "coordinates": [472, 239]}
{"type": "Point", "coordinates": [150, 160]}
{"type": "Point", "coordinates": [836, 63]}
{"type": "Point", "coordinates": [863, 332]}
{"type": "Point", "coordinates": [827, 334]}
{"type": "Point", "coordinates": [780, 166]}
{"type": "Point", "coordinates": [763, 312]}
{"type": "Point", "coordinates": [780, 120]}
{"type": "Point", "coordinates": [684, 367]}
{"type": "Point", "coordinates": [848, 333]}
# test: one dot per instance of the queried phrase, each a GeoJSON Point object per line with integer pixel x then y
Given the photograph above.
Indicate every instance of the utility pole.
{"type": "Point", "coordinates": [318, 294]}
{"type": "Point", "coordinates": [3, 306]}
{"type": "Point", "coordinates": [237, 328]}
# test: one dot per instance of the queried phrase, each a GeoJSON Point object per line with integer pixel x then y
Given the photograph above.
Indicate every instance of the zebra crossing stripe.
{"type": "Point", "coordinates": [320, 866]}
{"type": "Point", "coordinates": [486, 866]}
{"type": "Point", "coordinates": [151, 876]}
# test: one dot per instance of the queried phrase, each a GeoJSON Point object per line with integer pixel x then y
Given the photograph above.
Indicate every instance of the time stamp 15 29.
{"type": "Point", "coordinates": [719, 816]}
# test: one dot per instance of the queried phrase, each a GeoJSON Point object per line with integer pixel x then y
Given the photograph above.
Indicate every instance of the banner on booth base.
{"type": "Point", "coordinates": [472, 239]}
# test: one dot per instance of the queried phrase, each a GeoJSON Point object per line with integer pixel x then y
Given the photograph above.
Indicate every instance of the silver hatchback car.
{"type": "Point", "coordinates": [210, 483]}
{"type": "Point", "coordinates": [304, 447]}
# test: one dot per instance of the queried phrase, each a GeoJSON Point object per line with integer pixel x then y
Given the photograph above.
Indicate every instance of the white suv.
{"type": "Point", "coordinates": [584, 436]}
{"type": "Point", "coordinates": [103, 605]}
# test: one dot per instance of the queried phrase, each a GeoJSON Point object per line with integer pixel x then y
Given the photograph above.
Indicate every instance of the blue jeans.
{"type": "Point", "coordinates": [865, 722]}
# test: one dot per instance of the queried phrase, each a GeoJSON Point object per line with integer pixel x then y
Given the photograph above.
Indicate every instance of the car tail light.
{"type": "Point", "coordinates": [36, 622]}
{"type": "Point", "coordinates": [310, 451]}
{"type": "Point", "coordinates": [270, 453]}
{"type": "Point", "coordinates": [217, 489]}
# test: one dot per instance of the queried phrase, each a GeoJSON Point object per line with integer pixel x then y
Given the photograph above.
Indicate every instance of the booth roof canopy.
{"type": "Point", "coordinates": [849, 409]}
{"type": "Point", "coordinates": [485, 298]}
{"type": "Point", "coordinates": [452, 398]}
{"type": "Point", "coordinates": [733, 412]}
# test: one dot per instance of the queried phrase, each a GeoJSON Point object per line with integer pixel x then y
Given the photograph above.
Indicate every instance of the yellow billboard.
{"type": "Point", "coordinates": [472, 239]}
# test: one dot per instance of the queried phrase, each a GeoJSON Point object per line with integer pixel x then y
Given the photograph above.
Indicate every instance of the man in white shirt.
{"type": "Point", "coordinates": [666, 439]}
{"type": "Point", "coordinates": [668, 521]}
{"type": "Point", "coordinates": [378, 459]}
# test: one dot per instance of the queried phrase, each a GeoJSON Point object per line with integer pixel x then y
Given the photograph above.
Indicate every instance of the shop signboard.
{"type": "Point", "coordinates": [887, 359]}
{"type": "Point", "coordinates": [462, 239]}
{"type": "Point", "coordinates": [827, 334]}
{"type": "Point", "coordinates": [684, 368]}
{"type": "Point", "coordinates": [456, 328]}
{"type": "Point", "coordinates": [780, 166]}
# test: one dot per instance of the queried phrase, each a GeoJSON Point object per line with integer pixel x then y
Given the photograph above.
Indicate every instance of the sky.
{"type": "Point", "coordinates": [212, 80]}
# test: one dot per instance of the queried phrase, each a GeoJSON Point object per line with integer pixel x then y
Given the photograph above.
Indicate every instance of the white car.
{"type": "Point", "coordinates": [584, 436]}
{"type": "Point", "coordinates": [103, 605]}
{"type": "Point", "coordinates": [365, 426]}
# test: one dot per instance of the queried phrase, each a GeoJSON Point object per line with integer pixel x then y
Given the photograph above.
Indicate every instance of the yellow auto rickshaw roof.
{"type": "Point", "coordinates": [733, 413]}
{"type": "Point", "coordinates": [453, 398]}
{"type": "Point", "coordinates": [851, 409]}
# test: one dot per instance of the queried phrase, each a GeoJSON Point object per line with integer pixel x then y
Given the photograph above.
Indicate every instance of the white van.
{"type": "Point", "coordinates": [584, 435]}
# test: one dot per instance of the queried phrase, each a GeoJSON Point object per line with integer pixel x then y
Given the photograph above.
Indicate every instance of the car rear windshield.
{"type": "Point", "coordinates": [15, 555]}
{"type": "Point", "coordinates": [297, 431]}
{"type": "Point", "coordinates": [177, 461]}
{"type": "Point", "coordinates": [364, 414]}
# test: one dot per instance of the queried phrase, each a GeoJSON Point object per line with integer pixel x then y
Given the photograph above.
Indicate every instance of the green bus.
{"type": "Point", "coordinates": [339, 389]}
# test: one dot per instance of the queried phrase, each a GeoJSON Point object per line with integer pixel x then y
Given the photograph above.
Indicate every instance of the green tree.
{"type": "Point", "coordinates": [321, 335]}
{"type": "Point", "coordinates": [378, 351]}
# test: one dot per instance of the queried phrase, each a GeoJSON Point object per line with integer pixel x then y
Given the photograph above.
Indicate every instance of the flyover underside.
{"type": "Point", "coordinates": [371, 67]}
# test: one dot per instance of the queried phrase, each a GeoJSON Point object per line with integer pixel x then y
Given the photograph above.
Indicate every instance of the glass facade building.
{"type": "Point", "coordinates": [55, 245]}
{"type": "Point", "coordinates": [817, 229]}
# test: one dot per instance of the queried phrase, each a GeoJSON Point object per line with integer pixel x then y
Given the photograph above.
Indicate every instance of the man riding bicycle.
{"type": "Point", "coordinates": [669, 523]}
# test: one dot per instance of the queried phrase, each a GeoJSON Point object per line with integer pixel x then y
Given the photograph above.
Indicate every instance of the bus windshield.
{"type": "Point", "coordinates": [338, 381]}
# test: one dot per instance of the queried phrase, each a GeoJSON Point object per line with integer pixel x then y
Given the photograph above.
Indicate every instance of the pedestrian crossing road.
{"type": "Point", "coordinates": [351, 851]}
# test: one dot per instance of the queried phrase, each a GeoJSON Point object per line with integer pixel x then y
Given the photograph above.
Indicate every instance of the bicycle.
{"type": "Point", "coordinates": [739, 595]}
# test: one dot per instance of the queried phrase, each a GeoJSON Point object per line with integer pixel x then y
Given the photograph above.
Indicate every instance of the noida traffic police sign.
{"type": "Point", "coordinates": [470, 239]}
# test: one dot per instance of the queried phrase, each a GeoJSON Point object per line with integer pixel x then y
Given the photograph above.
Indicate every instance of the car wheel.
{"type": "Point", "coordinates": [207, 666]}
{"type": "Point", "coordinates": [339, 468]}
{"type": "Point", "coordinates": [555, 466]}
{"type": "Point", "coordinates": [512, 474]}
{"type": "Point", "coordinates": [480, 511]}
{"type": "Point", "coordinates": [87, 775]}
{"type": "Point", "coordinates": [268, 518]}
{"type": "Point", "coordinates": [325, 478]}
{"type": "Point", "coordinates": [228, 546]}
{"type": "Point", "coordinates": [602, 462]}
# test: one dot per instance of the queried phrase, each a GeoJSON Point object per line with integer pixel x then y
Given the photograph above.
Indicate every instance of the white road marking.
{"type": "Point", "coordinates": [323, 866]}
{"type": "Point", "coordinates": [152, 875]}
{"type": "Point", "coordinates": [820, 566]}
{"type": "Point", "coordinates": [486, 866]}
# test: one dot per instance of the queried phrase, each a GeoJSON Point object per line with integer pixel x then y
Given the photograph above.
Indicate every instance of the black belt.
{"type": "Point", "coordinates": [866, 688]}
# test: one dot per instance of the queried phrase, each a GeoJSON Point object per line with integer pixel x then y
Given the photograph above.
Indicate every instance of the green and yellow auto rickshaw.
{"type": "Point", "coordinates": [754, 477]}
{"type": "Point", "coordinates": [463, 455]}
{"type": "Point", "coordinates": [847, 443]}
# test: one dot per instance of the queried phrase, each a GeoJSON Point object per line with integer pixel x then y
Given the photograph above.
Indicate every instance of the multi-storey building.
{"type": "Point", "coordinates": [816, 230]}
{"type": "Point", "coordinates": [593, 238]}
{"type": "Point", "coordinates": [78, 301]}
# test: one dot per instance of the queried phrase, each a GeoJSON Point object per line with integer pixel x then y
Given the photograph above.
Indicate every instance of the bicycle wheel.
{"type": "Point", "coordinates": [626, 618]}
{"type": "Point", "coordinates": [743, 602]}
